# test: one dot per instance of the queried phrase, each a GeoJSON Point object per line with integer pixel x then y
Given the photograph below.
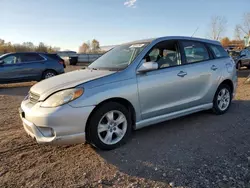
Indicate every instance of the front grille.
{"type": "Point", "coordinates": [33, 98]}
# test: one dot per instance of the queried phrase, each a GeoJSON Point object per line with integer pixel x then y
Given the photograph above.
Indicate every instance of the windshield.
{"type": "Point", "coordinates": [119, 57]}
{"type": "Point", "coordinates": [1, 56]}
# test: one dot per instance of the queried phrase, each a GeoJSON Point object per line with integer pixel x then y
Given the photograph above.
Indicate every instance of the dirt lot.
{"type": "Point", "coordinates": [200, 150]}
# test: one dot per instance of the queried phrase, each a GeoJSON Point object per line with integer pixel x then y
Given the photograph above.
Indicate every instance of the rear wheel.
{"type": "Point", "coordinates": [109, 126]}
{"type": "Point", "coordinates": [222, 99]}
{"type": "Point", "coordinates": [48, 74]}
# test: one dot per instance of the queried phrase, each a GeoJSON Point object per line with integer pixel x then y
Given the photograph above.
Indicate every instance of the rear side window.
{"type": "Point", "coordinates": [218, 51]}
{"type": "Point", "coordinates": [195, 51]}
{"type": "Point", "coordinates": [53, 56]}
{"type": "Point", "coordinates": [31, 57]}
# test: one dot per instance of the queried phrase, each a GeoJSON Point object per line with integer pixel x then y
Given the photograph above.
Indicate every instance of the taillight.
{"type": "Point", "coordinates": [61, 62]}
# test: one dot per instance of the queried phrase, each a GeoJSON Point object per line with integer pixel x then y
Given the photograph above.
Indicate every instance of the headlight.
{"type": "Point", "coordinates": [62, 97]}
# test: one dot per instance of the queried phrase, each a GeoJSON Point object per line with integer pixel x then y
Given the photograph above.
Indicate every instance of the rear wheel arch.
{"type": "Point", "coordinates": [118, 100]}
{"type": "Point", "coordinates": [229, 83]}
{"type": "Point", "coordinates": [226, 82]}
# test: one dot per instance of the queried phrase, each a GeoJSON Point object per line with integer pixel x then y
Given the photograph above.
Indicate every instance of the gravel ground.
{"type": "Point", "coordinates": [200, 150]}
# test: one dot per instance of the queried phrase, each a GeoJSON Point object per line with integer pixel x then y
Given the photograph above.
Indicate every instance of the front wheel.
{"type": "Point", "coordinates": [222, 99]}
{"type": "Point", "coordinates": [109, 126]}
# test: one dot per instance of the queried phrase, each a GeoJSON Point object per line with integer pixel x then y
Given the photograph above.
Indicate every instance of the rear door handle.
{"type": "Point", "coordinates": [214, 68]}
{"type": "Point", "coordinates": [182, 74]}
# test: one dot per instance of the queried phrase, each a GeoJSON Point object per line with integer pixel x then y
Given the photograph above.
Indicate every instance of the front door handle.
{"type": "Point", "coordinates": [214, 68]}
{"type": "Point", "coordinates": [182, 74]}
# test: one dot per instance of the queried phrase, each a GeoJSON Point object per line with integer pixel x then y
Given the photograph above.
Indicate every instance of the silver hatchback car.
{"type": "Point", "coordinates": [134, 85]}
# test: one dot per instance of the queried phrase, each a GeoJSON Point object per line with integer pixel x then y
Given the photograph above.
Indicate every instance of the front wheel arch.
{"type": "Point", "coordinates": [119, 100]}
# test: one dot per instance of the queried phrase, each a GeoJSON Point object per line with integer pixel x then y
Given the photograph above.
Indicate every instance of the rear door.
{"type": "Point", "coordinates": [32, 65]}
{"type": "Point", "coordinates": [248, 57]}
{"type": "Point", "coordinates": [244, 57]}
{"type": "Point", "coordinates": [203, 73]}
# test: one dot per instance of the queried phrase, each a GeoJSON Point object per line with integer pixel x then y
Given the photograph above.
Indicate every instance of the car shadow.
{"type": "Point", "coordinates": [15, 91]}
{"type": "Point", "coordinates": [184, 149]}
{"type": "Point", "coordinates": [243, 73]}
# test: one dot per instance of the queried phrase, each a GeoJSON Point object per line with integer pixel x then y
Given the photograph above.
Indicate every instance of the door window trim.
{"type": "Point", "coordinates": [213, 54]}
{"type": "Point", "coordinates": [178, 50]}
{"type": "Point", "coordinates": [12, 54]}
{"type": "Point", "coordinates": [195, 41]}
{"type": "Point", "coordinates": [38, 61]}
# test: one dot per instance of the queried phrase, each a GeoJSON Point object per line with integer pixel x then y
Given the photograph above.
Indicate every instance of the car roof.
{"type": "Point", "coordinates": [175, 38]}
{"type": "Point", "coordinates": [29, 53]}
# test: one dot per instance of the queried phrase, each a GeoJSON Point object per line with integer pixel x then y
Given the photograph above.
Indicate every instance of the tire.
{"type": "Point", "coordinates": [218, 107]}
{"type": "Point", "coordinates": [239, 65]}
{"type": "Point", "coordinates": [107, 137]}
{"type": "Point", "coordinates": [48, 74]}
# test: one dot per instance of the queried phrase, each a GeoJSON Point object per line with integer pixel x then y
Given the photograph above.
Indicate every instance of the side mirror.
{"type": "Point", "coordinates": [1, 62]}
{"type": "Point", "coordinates": [147, 66]}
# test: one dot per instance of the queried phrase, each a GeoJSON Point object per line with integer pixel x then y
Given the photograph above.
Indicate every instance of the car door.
{"type": "Point", "coordinates": [248, 58]}
{"type": "Point", "coordinates": [203, 73]}
{"type": "Point", "coordinates": [10, 68]}
{"type": "Point", "coordinates": [244, 57]}
{"type": "Point", "coordinates": [164, 90]}
{"type": "Point", "coordinates": [32, 65]}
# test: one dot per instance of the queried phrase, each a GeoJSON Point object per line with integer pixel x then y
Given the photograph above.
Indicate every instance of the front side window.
{"type": "Point", "coordinates": [165, 53]}
{"type": "Point", "coordinates": [218, 51]}
{"type": "Point", "coordinates": [195, 51]}
{"type": "Point", "coordinates": [11, 59]}
{"type": "Point", "coordinates": [119, 57]}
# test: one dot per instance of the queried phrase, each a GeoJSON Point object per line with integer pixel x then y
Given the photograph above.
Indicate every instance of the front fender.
{"type": "Point", "coordinates": [126, 89]}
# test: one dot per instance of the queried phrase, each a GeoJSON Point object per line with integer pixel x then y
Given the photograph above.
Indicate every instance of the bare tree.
{"type": "Point", "coordinates": [243, 29]}
{"type": "Point", "coordinates": [217, 27]}
{"type": "Point", "coordinates": [238, 35]}
{"type": "Point", "coordinates": [1, 42]}
{"type": "Point", "coordinates": [84, 48]}
{"type": "Point", "coordinates": [95, 46]}
{"type": "Point", "coordinates": [56, 49]}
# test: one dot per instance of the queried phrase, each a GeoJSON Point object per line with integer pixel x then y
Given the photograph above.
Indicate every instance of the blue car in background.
{"type": "Point", "coordinates": [32, 66]}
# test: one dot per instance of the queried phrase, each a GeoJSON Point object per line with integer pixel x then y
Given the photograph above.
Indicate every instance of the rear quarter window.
{"type": "Point", "coordinates": [218, 51]}
{"type": "Point", "coordinates": [195, 51]}
{"type": "Point", "coordinates": [54, 56]}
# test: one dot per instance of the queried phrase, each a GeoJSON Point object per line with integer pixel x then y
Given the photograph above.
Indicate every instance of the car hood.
{"type": "Point", "coordinates": [67, 80]}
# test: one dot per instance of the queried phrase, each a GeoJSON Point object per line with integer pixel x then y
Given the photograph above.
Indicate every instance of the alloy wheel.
{"type": "Point", "coordinates": [49, 75]}
{"type": "Point", "coordinates": [112, 127]}
{"type": "Point", "coordinates": [223, 99]}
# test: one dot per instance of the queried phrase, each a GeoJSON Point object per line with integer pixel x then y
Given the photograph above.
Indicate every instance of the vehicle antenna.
{"type": "Point", "coordinates": [195, 31]}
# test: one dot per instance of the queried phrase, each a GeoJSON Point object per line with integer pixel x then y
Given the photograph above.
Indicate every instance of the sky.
{"type": "Point", "coordinates": [69, 23]}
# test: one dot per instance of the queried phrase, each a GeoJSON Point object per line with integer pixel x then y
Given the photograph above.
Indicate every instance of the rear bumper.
{"type": "Point", "coordinates": [61, 125]}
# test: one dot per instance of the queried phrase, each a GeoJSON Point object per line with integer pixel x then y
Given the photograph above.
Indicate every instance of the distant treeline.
{"type": "Point", "coordinates": [7, 47]}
